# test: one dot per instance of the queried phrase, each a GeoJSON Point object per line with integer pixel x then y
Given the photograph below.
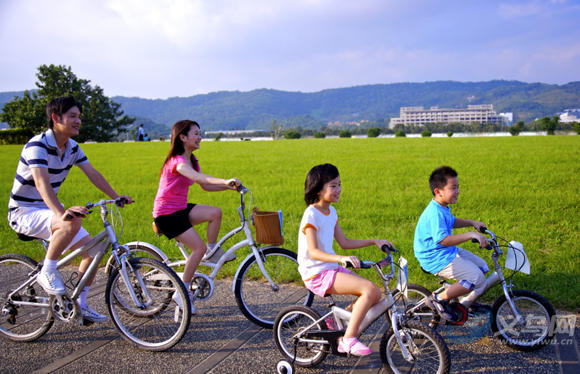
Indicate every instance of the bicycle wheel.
{"type": "Point", "coordinates": [254, 294]}
{"type": "Point", "coordinates": [428, 352]}
{"type": "Point", "coordinates": [289, 322]}
{"type": "Point", "coordinates": [534, 331]}
{"type": "Point", "coordinates": [21, 323]}
{"type": "Point", "coordinates": [415, 294]}
{"type": "Point", "coordinates": [153, 327]}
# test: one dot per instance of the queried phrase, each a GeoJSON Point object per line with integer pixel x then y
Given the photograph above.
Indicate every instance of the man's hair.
{"type": "Point", "coordinates": [60, 106]}
{"type": "Point", "coordinates": [438, 178]}
{"type": "Point", "coordinates": [317, 177]}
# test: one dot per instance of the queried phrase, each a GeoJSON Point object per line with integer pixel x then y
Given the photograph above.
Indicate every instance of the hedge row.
{"type": "Point", "coordinates": [15, 136]}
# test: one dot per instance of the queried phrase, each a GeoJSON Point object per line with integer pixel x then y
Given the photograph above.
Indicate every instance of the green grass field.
{"type": "Point", "coordinates": [524, 188]}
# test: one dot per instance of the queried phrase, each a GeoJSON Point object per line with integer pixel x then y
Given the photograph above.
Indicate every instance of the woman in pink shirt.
{"type": "Point", "coordinates": [173, 215]}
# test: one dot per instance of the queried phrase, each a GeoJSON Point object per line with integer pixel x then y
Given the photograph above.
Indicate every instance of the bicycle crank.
{"type": "Point", "coordinates": [63, 308]}
{"type": "Point", "coordinates": [201, 286]}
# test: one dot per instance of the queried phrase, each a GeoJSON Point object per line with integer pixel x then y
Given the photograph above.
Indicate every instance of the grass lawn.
{"type": "Point", "coordinates": [524, 188]}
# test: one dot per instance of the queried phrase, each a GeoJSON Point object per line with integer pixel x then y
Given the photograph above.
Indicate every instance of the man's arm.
{"type": "Point", "coordinates": [99, 181]}
{"type": "Point", "coordinates": [42, 182]}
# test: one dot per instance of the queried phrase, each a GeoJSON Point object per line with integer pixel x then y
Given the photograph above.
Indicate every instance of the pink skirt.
{"type": "Point", "coordinates": [323, 281]}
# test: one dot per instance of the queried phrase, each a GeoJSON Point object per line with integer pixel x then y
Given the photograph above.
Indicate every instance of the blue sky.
{"type": "Point", "coordinates": [167, 48]}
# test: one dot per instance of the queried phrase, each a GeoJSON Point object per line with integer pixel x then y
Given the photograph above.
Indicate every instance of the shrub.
{"type": "Point", "coordinates": [400, 134]}
{"type": "Point", "coordinates": [426, 133]}
{"type": "Point", "coordinates": [219, 136]}
{"type": "Point", "coordinates": [345, 134]}
{"type": "Point", "coordinates": [577, 127]}
{"type": "Point", "coordinates": [319, 135]}
{"type": "Point", "coordinates": [449, 133]}
{"type": "Point", "coordinates": [292, 135]}
{"type": "Point", "coordinates": [15, 136]}
{"type": "Point", "coordinates": [373, 132]}
{"type": "Point", "coordinates": [517, 128]}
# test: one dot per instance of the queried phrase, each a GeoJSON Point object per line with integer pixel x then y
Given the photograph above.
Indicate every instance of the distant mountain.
{"type": "Point", "coordinates": [257, 109]}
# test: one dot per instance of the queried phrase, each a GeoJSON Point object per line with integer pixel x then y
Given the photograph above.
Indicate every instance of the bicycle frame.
{"type": "Point", "coordinates": [342, 316]}
{"type": "Point", "coordinates": [491, 280]}
{"type": "Point", "coordinates": [106, 239]}
{"type": "Point", "coordinates": [216, 267]}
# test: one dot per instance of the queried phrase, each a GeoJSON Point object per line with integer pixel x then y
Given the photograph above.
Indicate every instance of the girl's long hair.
{"type": "Point", "coordinates": [180, 128]}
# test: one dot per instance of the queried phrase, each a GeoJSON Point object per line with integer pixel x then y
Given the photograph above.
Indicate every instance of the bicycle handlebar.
{"type": "Point", "coordinates": [241, 188]}
{"type": "Point", "coordinates": [363, 265]}
{"type": "Point", "coordinates": [121, 201]}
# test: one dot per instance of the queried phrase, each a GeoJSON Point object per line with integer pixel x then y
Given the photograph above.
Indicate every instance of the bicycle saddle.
{"type": "Point", "coordinates": [156, 229]}
{"type": "Point", "coordinates": [26, 238]}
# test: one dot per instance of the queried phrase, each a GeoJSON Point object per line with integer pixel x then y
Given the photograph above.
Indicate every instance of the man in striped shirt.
{"type": "Point", "coordinates": [34, 208]}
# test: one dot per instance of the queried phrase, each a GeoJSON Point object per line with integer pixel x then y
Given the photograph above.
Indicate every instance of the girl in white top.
{"type": "Point", "coordinates": [318, 263]}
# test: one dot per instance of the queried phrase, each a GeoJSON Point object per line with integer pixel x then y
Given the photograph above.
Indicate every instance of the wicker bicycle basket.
{"type": "Point", "coordinates": [267, 227]}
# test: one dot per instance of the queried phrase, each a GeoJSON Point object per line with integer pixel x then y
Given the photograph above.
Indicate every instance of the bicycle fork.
{"type": "Point", "coordinates": [125, 270]}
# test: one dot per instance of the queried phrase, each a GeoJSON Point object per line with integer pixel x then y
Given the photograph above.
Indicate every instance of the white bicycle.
{"type": "Point", "coordinates": [266, 281]}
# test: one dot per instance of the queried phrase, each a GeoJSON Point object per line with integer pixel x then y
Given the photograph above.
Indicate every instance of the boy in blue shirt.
{"type": "Point", "coordinates": [436, 246]}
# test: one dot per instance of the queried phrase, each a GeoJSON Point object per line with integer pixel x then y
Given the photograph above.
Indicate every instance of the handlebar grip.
{"type": "Point", "coordinates": [68, 216]}
{"type": "Point", "coordinates": [348, 264]}
{"type": "Point", "coordinates": [385, 248]}
{"type": "Point", "coordinates": [477, 242]}
{"type": "Point", "coordinates": [483, 229]}
{"type": "Point", "coordinates": [121, 202]}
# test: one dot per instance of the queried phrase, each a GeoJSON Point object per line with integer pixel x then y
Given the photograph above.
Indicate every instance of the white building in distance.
{"type": "Point", "coordinates": [570, 115]}
{"type": "Point", "coordinates": [474, 113]}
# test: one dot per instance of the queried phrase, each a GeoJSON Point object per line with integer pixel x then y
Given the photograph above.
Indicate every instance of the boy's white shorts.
{"type": "Point", "coordinates": [38, 224]}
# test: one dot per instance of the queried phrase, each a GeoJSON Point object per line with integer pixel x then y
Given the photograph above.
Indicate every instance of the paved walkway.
{"type": "Point", "coordinates": [221, 340]}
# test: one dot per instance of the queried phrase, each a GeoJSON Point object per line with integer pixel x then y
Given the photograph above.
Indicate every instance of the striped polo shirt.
{"type": "Point", "coordinates": [42, 152]}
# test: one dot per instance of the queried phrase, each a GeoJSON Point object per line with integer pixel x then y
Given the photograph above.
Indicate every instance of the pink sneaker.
{"type": "Point", "coordinates": [331, 324]}
{"type": "Point", "coordinates": [353, 347]}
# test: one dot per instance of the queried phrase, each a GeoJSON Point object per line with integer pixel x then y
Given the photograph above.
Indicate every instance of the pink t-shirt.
{"type": "Point", "coordinates": [173, 188]}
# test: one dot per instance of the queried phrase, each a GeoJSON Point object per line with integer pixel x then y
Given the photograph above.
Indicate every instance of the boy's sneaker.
{"type": "Point", "coordinates": [441, 307]}
{"type": "Point", "coordinates": [91, 315]}
{"type": "Point", "coordinates": [353, 347]}
{"type": "Point", "coordinates": [51, 282]}
{"type": "Point", "coordinates": [179, 302]}
{"type": "Point", "coordinates": [477, 307]}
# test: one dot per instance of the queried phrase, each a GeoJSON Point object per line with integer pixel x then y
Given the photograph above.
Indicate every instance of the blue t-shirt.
{"type": "Point", "coordinates": [434, 225]}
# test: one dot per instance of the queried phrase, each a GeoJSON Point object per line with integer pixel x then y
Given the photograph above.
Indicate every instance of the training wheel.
{"type": "Point", "coordinates": [284, 367]}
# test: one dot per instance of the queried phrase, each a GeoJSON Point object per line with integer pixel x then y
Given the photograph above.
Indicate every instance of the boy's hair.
{"type": "Point", "coordinates": [60, 106]}
{"type": "Point", "coordinates": [317, 177]}
{"type": "Point", "coordinates": [438, 178]}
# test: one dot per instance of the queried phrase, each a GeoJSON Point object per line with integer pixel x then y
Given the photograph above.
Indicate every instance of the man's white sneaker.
{"type": "Point", "coordinates": [51, 282]}
{"type": "Point", "coordinates": [91, 315]}
{"type": "Point", "coordinates": [179, 302]}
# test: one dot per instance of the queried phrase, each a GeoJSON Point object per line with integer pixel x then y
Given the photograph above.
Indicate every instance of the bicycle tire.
{"type": "Point", "coordinates": [538, 314]}
{"type": "Point", "coordinates": [290, 321]}
{"type": "Point", "coordinates": [24, 323]}
{"type": "Point", "coordinates": [153, 327]}
{"type": "Point", "coordinates": [256, 299]}
{"type": "Point", "coordinates": [432, 354]}
{"type": "Point", "coordinates": [416, 293]}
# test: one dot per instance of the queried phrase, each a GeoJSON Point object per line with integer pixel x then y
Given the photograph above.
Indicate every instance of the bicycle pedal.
{"type": "Point", "coordinates": [87, 323]}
